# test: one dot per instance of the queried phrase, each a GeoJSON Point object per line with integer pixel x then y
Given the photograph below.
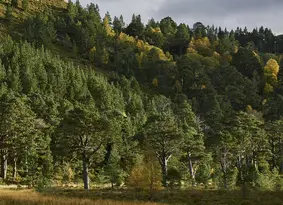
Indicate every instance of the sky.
{"type": "Point", "coordinates": [224, 13]}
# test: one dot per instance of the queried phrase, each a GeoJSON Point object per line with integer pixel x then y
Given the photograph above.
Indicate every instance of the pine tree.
{"type": "Point", "coordinates": [163, 135]}
{"type": "Point", "coordinates": [193, 144]}
{"type": "Point", "coordinates": [84, 131]}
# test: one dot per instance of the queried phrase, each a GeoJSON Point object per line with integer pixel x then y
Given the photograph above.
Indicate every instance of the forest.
{"type": "Point", "coordinates": [87, 100]}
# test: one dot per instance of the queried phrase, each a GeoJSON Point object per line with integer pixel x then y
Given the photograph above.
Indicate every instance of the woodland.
{"type": "Point", "coordinates": [89, 100]}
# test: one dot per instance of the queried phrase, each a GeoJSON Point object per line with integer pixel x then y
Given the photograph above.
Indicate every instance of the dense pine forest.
{"type": "Point", "coordinates": [89, 100]}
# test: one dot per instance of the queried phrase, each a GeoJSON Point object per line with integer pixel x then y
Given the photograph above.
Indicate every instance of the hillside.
{"type": "Point", "coordinates": [86, 99]}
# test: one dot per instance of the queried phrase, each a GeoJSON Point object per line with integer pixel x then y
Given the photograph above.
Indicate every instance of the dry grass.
{"type": "Point", "coordinates": [29, 197]}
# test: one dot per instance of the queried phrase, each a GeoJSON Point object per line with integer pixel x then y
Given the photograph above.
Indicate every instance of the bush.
{"type": "Point", "coordinates": [145, 174]}
{"type": "Point", "coordinates": [174, 178]}
{"type": "Point", "coordinates": [203, 174]}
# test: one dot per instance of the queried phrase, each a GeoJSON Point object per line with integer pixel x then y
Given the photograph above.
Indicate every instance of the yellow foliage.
{"type": "Point", "coordinates": [216, 55]}
{"type": "Point", "coordinates": [155, 82]}
{"type": "Point", "coordinates": [192, 43]}
{"type": "Point", "coordinates": [271, 71]}
{"type": "Point", "coordinates": [249, 109]}
{"type": "Point", "coordinates": [93, 50]}
{"type": "Point", "coordinates": [191, 50]}
{"type": "Point", "coordinates": [156, 54]}
{"type": "Point", "coordinates": [145, 48]}
{"type": "Point", "coordinates": [255, 113]}
{"type": "Point", "coordinates": [161, 54]}
{"type": "Point", "coordinates": [107, 27]}
{"type": "Point", "coordinates": [126, 38]}
{"type": "Point", "coordinates": [155, 30]}
{"type": "Point", "coordinates": [264, 101]}
{"type": "Point", "coordinates": [236, 49]}
{"type": "Point", "coordinates": [200, 42]}
{"type": "Point", "coordinates": [203, 87]}
{"type": "Point", "coordinates": [272, 67]}
{"type": "Point", "coordinates": [205, 41]}
{"type": "Point", "coordinates": [140, 45]}
{"type": "Point", "coordinates": [146, 174]}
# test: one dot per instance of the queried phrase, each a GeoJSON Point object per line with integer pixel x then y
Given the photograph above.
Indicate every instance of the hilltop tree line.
{"type": "Point", "coordinates": [165, 103]}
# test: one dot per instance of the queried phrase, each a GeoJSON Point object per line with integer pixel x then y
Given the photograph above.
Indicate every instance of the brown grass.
{"type": "Point", "coordinates": [29, 197]}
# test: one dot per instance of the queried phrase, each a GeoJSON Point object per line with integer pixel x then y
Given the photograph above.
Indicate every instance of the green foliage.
{"type": "Point", "coordinates": [174, 178]}
{"type": "Point", "coordinates": [203, 174]}
{"type": "Point", "coordinates": [8, 13]}
{"type": "Point", "coordinates": [25, 4]}
{"type": "Point", "coordinates": [14, 3]}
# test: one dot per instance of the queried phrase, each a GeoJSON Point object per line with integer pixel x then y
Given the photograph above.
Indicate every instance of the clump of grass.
{"type": "Point", "coordinates": [30, 197]}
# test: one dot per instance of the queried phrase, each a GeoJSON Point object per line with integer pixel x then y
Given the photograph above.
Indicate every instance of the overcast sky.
{"type": "Point", "coordinates": [224, 13]}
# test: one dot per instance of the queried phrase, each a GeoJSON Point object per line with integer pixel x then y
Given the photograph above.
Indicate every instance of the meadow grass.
{"type": "Point", "coordinates": [56, 196]}
{"type": "Point", "coordinates": [30, 197]}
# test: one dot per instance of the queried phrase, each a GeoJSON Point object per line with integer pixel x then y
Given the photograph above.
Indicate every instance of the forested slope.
{"type": "Point", "coordinates": [87, 97]}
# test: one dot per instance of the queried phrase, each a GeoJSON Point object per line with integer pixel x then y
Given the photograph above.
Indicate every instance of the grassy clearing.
{"type": "Point", "coordinates": [29, 197]}
{"type": "Point", "coordinates": [180, 197]}
{"type": "Point", "coordinates": [130, 197]}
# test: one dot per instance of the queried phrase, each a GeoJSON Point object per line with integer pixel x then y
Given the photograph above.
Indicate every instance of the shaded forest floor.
{"type": "Point", "coordinates": [130, 197]}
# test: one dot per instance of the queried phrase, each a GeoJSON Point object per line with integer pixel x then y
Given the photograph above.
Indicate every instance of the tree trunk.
{"type": "Point", "coordinates": [191, 169]}
{"type": "Point", "coordinates": [163, 163]}
{"type": "Point", "coordinates": [85, 172]}
{"type": "Point", "coordinates": [225, 180]}
{"type": "Point", "coordinates": [4, 163]}
{"type": "Point", "coordinates": [239, 167]}
{"type": "Point", "coordinates": [15, 169]}
{"type": "Point", "coordinates": [273, 153]}
{"type": "Point", "coordinates": [224, 168]}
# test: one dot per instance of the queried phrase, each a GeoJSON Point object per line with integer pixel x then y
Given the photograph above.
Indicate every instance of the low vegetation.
{"type": "Point", "coordinates": [131, 197]}
{"type": "Point", "coordinates": [28, 197]}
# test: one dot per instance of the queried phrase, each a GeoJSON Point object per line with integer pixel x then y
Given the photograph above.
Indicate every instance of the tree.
{"type": "Point", "coordinates": [146, 173]}
{"type": "Point", "coordinates": [248, 63]}
{"type": "Point", "coordinates": [225, 156]}
{"type": "Point", "coordinates": [274, 133]}
{"type": "Point", "coordinates": [84, 131]}
{"type": "Point", "coordinates": [163, 135]}
{"type": "Point", "coordinates": [136, 27]}
{"type": "Point", "coordinates": [154, 36]}
{"type": "Point", "coordinates": [17, 132]}
{"type": "Point", "coordinates": [243, 144]}
{"type": "Point", "coordinates": [113, 171]}
{"type": "Point", "coordinates": [182, 38]}
{"type": "Point", "coordinates": [118, 24]}
{"type": "Point", "coordinates": [193, 142]}
{"type": "Point", "coordinates": [271, 71]}
{"type": "Point", "coordinates": [199, 30]}
{"type": "Point", "coordinates": [168, 26]}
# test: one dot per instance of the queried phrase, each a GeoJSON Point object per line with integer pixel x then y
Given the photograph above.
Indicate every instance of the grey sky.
{"type": "Point", "coordinates": [225, 13]}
